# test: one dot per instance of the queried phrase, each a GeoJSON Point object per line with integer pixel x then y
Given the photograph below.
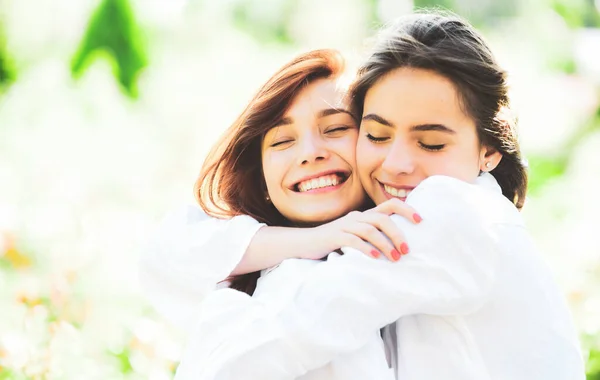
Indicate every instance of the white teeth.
{"type": "Point", "coordinates": [317, 183]}
{"type": "Point", "coordinates": [400, 193]}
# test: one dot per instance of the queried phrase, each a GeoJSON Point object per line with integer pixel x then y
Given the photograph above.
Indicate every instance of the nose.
{"type": "Point", "coordinates": [312, 149]}
{"type": "Point", "coordinates": [399, 159]}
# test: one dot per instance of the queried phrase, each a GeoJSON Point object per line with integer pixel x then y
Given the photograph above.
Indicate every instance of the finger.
{"type": "Point", "coordinates": [376, 238]}
{"type": "Point", "coordinates": [355, 242]}
{"type": "Point", "coordinates": [388, 228]}
{"type": "Point", "coordinates": [396, 206]}
{"type": "Point", "coordinates": [353, 215]}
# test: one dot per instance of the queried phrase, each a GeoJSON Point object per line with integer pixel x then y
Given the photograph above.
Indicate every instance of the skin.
{"type": "Point", "coordinates": [316, 136]}
{"type": "Point", "coordinates": [413, 127]}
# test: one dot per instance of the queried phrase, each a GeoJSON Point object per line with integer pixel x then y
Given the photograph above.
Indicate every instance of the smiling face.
{"type": "Point", "coordinates": [309, 157]}
{"type": "Point", "coordinates": [413, 127]}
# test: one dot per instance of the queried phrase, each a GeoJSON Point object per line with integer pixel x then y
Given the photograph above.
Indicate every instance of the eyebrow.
{"type": "Point", "coordinates": [378, 119]}
{"type": "Point", "coordinates": [321, 114]}
{"type": "Point", "coordinates": [284, 121]}
{"type": "Point", "coordinates": [333, 111]}
{"type": "Point", "coordinates": [415, 128]}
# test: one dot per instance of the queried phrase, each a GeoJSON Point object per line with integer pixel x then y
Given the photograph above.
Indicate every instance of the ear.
{"type": "Point", "coordinates": [489, 158]}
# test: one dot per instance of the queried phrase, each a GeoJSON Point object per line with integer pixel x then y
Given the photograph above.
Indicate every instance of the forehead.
{"type": "Point", "coordinates": [318, 95]}
{"type": "Point", "coordinates": [414, 95]}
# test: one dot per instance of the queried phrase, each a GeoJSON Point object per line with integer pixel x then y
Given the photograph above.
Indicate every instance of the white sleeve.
{"type": "Point", "coordinates": [225, 316]}
{"type": "Point", "coordinates": [188, 255]}
{"type": "Point", "coordinates": [227, 313]}
{"type": "Point", "coordinates": [341, 302]}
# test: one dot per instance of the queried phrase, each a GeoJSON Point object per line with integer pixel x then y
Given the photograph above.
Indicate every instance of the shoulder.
{"type": "Point", "coordinates": [447, 196]}
{"type": "Point", "coordinates": [184, 214]}
{"type": "Point", "coordinates": [189, 215]}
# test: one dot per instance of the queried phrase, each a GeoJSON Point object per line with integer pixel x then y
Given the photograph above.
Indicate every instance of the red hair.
{"type": "Point", "coordinates": [231, 181]}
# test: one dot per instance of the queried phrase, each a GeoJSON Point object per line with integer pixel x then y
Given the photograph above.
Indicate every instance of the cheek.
{"type": "Point", "coordinates": [460, 164]}
{"type": "Point", "coordinates": [368, 159]}
{"type": "Point", "coordinates": [273, 172]}
{"type": "Point", "coordinates": [345, 147]}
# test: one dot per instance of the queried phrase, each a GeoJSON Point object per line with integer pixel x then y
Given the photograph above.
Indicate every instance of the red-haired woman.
{"type": "Point", "coordinates": [270, 190]}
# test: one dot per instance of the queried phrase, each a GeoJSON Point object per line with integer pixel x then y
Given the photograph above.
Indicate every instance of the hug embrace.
{"type": "Point", "coordinates": [370, 232]}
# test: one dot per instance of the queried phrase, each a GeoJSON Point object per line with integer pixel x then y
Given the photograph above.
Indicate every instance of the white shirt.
{"type": "Point", "coordinates": [473, 301]}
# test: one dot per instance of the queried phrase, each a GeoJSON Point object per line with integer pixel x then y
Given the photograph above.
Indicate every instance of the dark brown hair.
{"type": "Point", "coordinates": [451, 47]}
{"type": "Point", "coordinates": [231, 181]}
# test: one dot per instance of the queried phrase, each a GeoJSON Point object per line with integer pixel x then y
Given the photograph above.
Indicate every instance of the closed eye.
{"type": "Point", "coordinates": [433, 148]}
{"type": "Point", "coordinates": [339, 128]}
{"type": "Point", "coordinates": [376, 139]}
{"type": "Point", "coordinates": [279, 143]}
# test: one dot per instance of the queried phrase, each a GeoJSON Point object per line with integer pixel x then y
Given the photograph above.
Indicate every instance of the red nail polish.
{"type": "Point", "coordinates": [395, 255]}
{"type": "Point", "coordinates": [404, 248]}
{"type": "Point", "coordinates": [375, 253]}
{"type": "Point", "coordinates": [417, 217]}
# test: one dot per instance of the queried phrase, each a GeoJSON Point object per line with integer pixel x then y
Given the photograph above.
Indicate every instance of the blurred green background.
{"type": "Point", "coordinates": [107, 108]}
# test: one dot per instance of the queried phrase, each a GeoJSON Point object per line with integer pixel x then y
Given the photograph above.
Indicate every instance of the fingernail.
{"type": "Point", "coordinates": [395, 255]}
{"type": "Point", "coordinates": [375, 253]}
{"type": "Point", "coordinates": [404, 248]}
{"type": "Point", "coordinates": [417, 217]}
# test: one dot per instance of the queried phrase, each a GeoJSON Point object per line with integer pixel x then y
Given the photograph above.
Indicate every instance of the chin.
{"type": "Point", "coordinates": [317, 218]}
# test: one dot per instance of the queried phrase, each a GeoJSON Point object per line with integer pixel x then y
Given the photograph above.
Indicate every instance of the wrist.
{"type": "Point", "coordinates": [320, 242]}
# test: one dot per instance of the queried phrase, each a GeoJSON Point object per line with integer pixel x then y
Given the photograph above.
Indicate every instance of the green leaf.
{"type": "Point", "coordinates": [122, 359]}
{"type": "Point", "coordinates": [7, 374]}
{"type": "Point", "coordinates": [577, 13]}
{"type": "Point", "coordinates": [593, 365]}
{"type": "Point", "coordinates": [8, 72]}
{"type": "Point", "coordinates": [113, 31]}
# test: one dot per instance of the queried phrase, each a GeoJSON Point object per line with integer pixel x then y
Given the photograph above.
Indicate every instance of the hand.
{"type": "Point", "coordinates": [371, 232]}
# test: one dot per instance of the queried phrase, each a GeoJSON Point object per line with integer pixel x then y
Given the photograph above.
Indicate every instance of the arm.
{"type": "Point", "coordinates": [372, 232]}
{"type": "Point", "coordinates": [191, 252]}
{"type": "Point", "coordinates": [271, 245]}
{"type": "Point", "coordinates": [342, 301]}
{"type": "Point", "coordinates": [226, 313]}
{"type": "Point", "coordinates": [188, 255]}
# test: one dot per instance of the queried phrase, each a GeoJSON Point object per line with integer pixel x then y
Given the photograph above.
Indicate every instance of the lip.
{"type": "Point", "coordinates": [390, 196]}
{"type": "Point", "coordinates": [321, 174]}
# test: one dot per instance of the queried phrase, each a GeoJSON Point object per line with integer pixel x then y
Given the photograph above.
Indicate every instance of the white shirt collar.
{"type": "Point", "coordinates": [488, 181]}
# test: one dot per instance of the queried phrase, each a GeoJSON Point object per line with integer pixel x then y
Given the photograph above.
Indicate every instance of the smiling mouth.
{"type": "Point", "coordinates": [396, 192]}
{"type": "Point", "coordinates": [323, 182]}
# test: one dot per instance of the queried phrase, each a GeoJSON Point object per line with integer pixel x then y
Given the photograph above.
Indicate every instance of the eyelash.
{"type": "Point", "coordinates": [376, 139]}
{"type": "Point", "coordinates": [280, 143]}
{"type": "Point", "coordinates": [432, 148]}
{"type": "Point", "coordinates": [338, 129]}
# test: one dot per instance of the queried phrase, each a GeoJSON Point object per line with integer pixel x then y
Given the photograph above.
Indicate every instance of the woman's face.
{"type": "Point", "coordinates": [413, 127]}
{"type": "Point", "coordinates": [309, 160]}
